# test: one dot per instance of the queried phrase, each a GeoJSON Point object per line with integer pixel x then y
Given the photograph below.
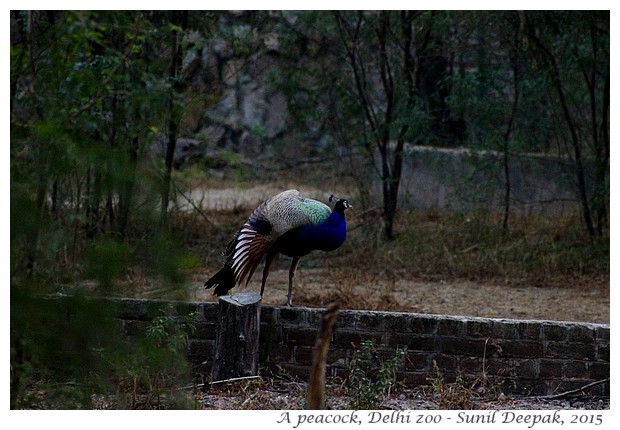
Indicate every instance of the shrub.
{"type": "Point", "coordinates": [372, 379]}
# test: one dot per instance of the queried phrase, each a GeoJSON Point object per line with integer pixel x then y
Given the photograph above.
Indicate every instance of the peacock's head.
{"type": "Point", "coordinates": [341, 204]}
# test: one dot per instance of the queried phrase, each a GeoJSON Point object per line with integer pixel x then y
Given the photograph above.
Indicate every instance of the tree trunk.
{"type": "Point", "coordinates": [94, 201]}
{"type": "Point", "coordinates": [582, 190]}
{"type": "Point", "coordinates": [126, 188]}
{"type": "Point", "coordinates": [236, 344]}
{"type": "Point", "coordinates": [602, 161]}
{"type": "Point", "coordinates": [507, 134]}
{"type": "Point", "coordinates": [172, 124]}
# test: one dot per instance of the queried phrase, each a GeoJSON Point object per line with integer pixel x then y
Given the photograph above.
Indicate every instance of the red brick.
{"type": "Point", "coordinates": [300, 336]}
{"type": "Point", "coordinates": [353, 339]}
{"type": "Point", "coordinates": [578, 351]}
{"type": "Point", "coordinates": [414, 379]}
{"type": "Point", "coordinates": [451, 327]}
{"type": "Point", "coordinates": [521, 349]}
{"type": "Point", "coordinates": [462, 346]}
{"type": "Point", "coordinates": [292, 316]}
{"type": "Point", "coordinates": [575, 369]}
{"type": "Point", "coordinates": [444, 362]}
{"type": "Point", "coordinates": [602, 352]}
{"type": "Point", "coordinates": [550, 369]}
{"type": "Point", "coordinates": [527, 369]}
{"type": "Point", "coordinates": [412, 342]}
{"type": "Point", "coordinates": [422, 325]}
{"type": "Point", "coordinates": [475, 328]}
{"type": "Point", "coordinates": [418, 361]}
{"type": "Point", "coordinates": [599, 371]}
{"type": "Point", "coordinates": [581, 334]}
{"type": "Point", "coordinates": [554, 332]}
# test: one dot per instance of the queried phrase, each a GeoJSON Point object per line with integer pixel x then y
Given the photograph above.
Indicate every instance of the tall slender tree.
{"type": "Point", "coordinates": [379, 50]}
{"type": "Point", "coordinates": [178, 24]}
{"type": "Point", "coordinates": [577, 65]}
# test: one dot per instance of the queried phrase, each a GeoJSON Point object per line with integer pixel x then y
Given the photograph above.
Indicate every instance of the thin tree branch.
{"type": "Point", "coordinates": [569, 393]}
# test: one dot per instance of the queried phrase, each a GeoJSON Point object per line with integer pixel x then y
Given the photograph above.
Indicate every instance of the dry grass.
{"type": "Point", "coordinates": [442, 245]}
{"type": "Point", "coordinates": [435, 245]}
{"type": "Point", "coordinates": [283, 393]}
{"type": "Point", "coordinates": [439, 263]}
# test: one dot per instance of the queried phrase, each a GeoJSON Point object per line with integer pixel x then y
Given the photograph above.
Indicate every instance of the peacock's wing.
{"type": "Point", "coordinates": [270, 220]}
{"type": "Point", "coordinates": [289, 210]}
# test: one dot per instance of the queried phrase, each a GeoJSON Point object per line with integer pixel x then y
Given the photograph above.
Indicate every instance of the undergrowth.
{"type": "Point", "coordinates": [72, 355]}
{"type": "Point", "coordinates": [371, 378]}
{"type": "Point", "coordinates": [441, 245]}
{"type": "Point", "coordinates": [461, 393]}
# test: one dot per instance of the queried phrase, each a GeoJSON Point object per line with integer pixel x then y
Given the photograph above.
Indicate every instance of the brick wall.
{"type": "Point", "coordinates": [524, 356]}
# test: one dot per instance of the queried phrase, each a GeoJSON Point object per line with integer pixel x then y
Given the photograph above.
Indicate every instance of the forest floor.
{"type": "Point", "coordinates": [290, 395]}
{"type": "Point", "coordinates": [455, 297]}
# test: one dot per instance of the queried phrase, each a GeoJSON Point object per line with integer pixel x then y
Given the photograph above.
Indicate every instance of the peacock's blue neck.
{"type": "Point", "coordinates": [326, 236]}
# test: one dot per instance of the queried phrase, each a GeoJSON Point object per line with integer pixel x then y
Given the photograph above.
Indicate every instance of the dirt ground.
{"type": "Point", "coordinates": [464, 298]}
{"type": "Point", "coordinates": [284, 395]}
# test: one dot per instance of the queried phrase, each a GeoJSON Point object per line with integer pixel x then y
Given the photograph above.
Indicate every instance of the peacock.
{"type": "Point", "coordinates": [288, 224]}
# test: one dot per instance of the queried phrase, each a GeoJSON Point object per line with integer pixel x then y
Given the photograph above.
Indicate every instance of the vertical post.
{"type": "Point", "coordinates": [236, 344]}
{"type": "Point", "coordinates": [316, 388]}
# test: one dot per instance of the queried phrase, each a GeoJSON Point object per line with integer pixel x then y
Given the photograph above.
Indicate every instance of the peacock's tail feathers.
{"type": "Point", "coordinates": [222, 282]}
{"type": "Point", "coordinates": [248, 251]}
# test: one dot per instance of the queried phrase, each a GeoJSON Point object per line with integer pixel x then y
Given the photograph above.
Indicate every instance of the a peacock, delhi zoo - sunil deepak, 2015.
{"type": "Point", "coordinates": [288, 224]}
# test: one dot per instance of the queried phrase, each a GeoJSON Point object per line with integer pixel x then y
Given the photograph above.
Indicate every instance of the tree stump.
{"type": "Point", "coordinates": [236, 343]}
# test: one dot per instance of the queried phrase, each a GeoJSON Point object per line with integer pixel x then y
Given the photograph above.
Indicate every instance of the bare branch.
{"type": "Point", "coordinates": [577, 391]}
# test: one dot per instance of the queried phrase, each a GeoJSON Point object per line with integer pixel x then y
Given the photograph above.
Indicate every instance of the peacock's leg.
{"type": "Point", "coordinates": [291, 275]}
{"type": "Point", "coordinates": [268, 260]}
